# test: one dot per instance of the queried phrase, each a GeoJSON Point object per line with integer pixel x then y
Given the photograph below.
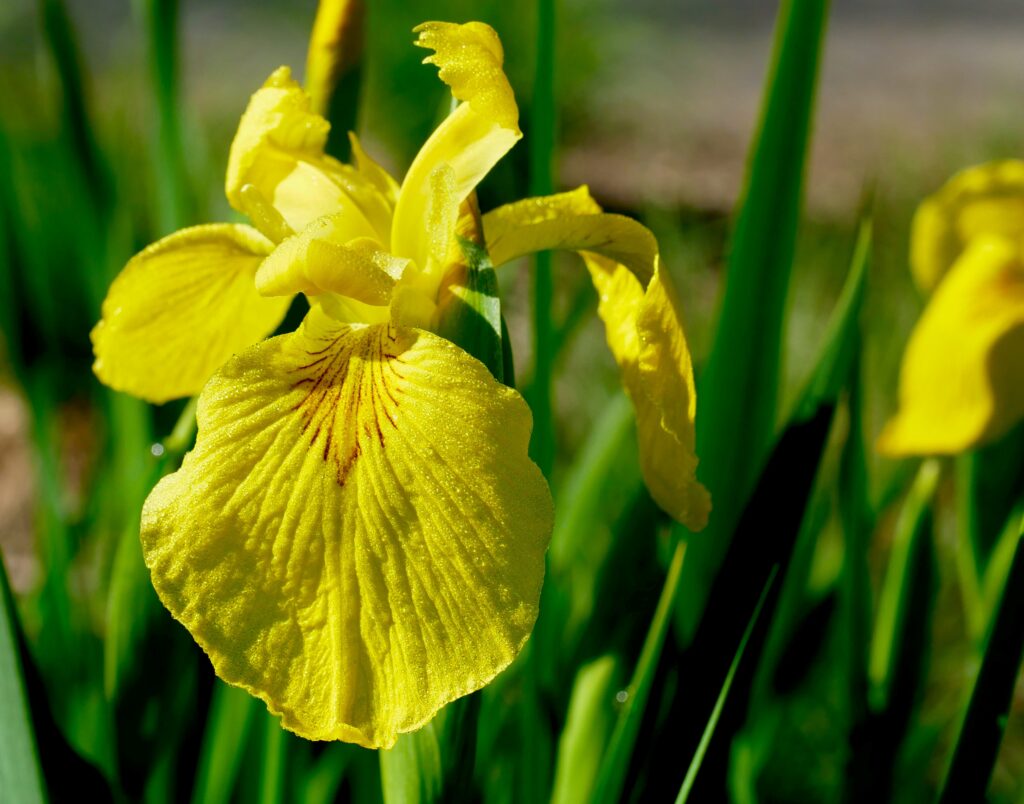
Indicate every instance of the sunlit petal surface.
{"type": "Point", "coordinates": [643, 324]}
{"type": "Point", "coordinates": [182, 307]}
{"type": "Point", "coordinates": [279, 151]}
{"type": "Point", "coordinates": [325, 257]}
{"type": "Point", "coordinates": [358, 537]}
{"type": "Point", "coordinates": [471, 140]}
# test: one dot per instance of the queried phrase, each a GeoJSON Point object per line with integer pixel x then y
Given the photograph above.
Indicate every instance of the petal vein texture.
{"type": "Point", "coordinates": [358, 537]}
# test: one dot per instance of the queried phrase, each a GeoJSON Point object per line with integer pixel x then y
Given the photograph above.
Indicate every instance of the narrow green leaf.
{"type": "Point", "coordinates": [62, 42]}
{"type": "Point", "coordinates": [782, 496]}
{"type": "Point", "coordinates": [841, 340]}
{"type": "Point", "coordinates": [987, 484]}
{"type": "Point", "coordinates": [620, 750]}
{"type": "Point", "coordinates": [899, 651]}
{"type": "Point", "coordinates": [20, 776]}
{"type": "Point", "coordinates": [412, 772]}
{"type": "Point", "coordinates": [588, 726]}
{"type": "Point", "coordinates": [324, 777]}
{"type": "Point", "coordinates": [999, 563]}
{"type": "Point", "coordinates": [602, 482]}
{"type": "Point", "coordinates": [160, 18]}
{"type": "Point", "coordinates": [914, 524]}
{"type": "Point", "coordinates": [981, 731]}
{"type": "Point", "coordinates": [739, 387]}
{"type": "Point", "coordinates": [967, 549]}
{"type": "Point", "coordinates": [275, 761]}
{"type": "Point", "coordinates": [232, 713]}
{"type": "Point", "coordinates": [541, 140]}
{"type": "Point", "coordinates": [766, 538]}
{"type": "Point", "coordinates": [434, 764]}
{"type": "Point", "coordinates": [716, 713]}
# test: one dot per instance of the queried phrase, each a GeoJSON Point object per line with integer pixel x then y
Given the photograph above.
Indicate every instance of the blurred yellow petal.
{"type": "Point", "coordinates": [644, 328]}
{"type": "Point", "coordinates": [358, 537]}
{"type": "Point", "coordinates": [471, 140]}
{"type": "Point", "coordinates": [984, 200]}
{"type": "Point", "coordinates": [326, 257]}
{"type": "Point", "coordinates": [335, 47]}
{"type": "Point", "coordinates": [278, 151]}
{"type": "Point", "coordinates": [180, 308]}
{"type": "Point", "coordinates": [962, 378]}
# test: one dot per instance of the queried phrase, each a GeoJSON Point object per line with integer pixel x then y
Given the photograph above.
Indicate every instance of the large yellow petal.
{"type": "Point", "coordinates": [358, 537]}
{"type": "Point", "coordinates": [984, 200]}
{"type": "Point", "coordinates": [180, 308]}
{"type": "Point", "coordinates": [278, 154]}
{"type": "Point", "coordinates": [471, 140]}
{"type": "Point", "coordinates": [962, 378]}
{"type": "Point", "coordinates": [644, 327]}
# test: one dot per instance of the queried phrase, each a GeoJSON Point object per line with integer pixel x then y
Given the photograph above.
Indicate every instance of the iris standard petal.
{"type": "Point", "coordinates": [643, 324]}
{"type": "Point", "coordinates": [961, 381]}
{"type": "Point", "coordinates": [986, 199]}
{"type": "Point", "coordinates": [180, 308]}
{"type": "Point", "coordinates": [471, 140]}
{"type": "Point", "coordinates": [358, 537]}
{"type": "Point", "coordinates": [278, 151]}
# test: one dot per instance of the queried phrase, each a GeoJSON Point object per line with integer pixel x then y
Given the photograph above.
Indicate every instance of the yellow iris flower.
{"type": "Point", "coordinates": [358, 536]}
{"type": "Point", "coordinates": [962, 378]}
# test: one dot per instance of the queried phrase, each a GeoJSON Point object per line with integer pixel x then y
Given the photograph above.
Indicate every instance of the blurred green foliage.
{"type": "Point", "coordinates": [819, 643]}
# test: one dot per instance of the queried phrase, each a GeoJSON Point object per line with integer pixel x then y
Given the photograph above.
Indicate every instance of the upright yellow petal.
{"type": "Point", "coordinates": [358, 537]}
{"type": "Point", "coordinates": [984, 200]}
{"type": "Point", "coordinates": [471, 140]}
{"type": "Point", "coordinates": [643, 324]}
{"type": "Point", "coordinates": [180, 308]}
{"type": "Point", "coordinates": [962, 378]}
{"type": "Point", "coordinates": [470, 58]}
{"type": "Point", "coordinates": [278, 151]}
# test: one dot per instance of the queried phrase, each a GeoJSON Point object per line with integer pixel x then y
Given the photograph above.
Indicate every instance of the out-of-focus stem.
{"type": "Point", "coordinates": [333, 67]}
{"type": "Point", "coordinates": [542, 145]}
{"type": "Point", "coordinates": [161, 21]}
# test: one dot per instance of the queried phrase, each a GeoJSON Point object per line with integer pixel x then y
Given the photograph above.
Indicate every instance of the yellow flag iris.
{"type": "Point", "coordinates": [962, 378]}
{"type": "Point", "coordinates": [358, 536]}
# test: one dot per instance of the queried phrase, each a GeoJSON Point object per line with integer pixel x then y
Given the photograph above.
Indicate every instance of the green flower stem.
{"type": "Point", "coordinates": [716, 713]}
{"type": "Point", "coordinates": [180, 439]}
{"type": "Point", "coordinates": [20, 775]}
{"type": "Point", "coordinates": [981, 733]}
{"type": "Point", "coordinates": [968, 573]}
{"type": "Point", "coordinates": [161, 20]}
{"type": "Point", "coordinates": [542, 147]}
{"type": "Point", "coordinates": [612, 775]}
